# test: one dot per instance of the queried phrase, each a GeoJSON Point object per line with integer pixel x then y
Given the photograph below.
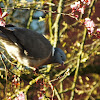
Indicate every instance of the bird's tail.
{"type": "Point", "coordinates": [5, 32]}
{"type": "Point", "coordinates": [8, 34]}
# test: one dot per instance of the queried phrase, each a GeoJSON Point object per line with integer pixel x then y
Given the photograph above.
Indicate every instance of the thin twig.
{"type": "Point", "coordinates": [92, 89]}
{"type": "Point", "coordinates": [50, 22]}
{"type": "Point", "coordinates": [61, 90]}
{"type": "Point", "coordinates": [57, 94]}
{"type": "Point", "coordinates": [56, 24]}
{"type": "Point", "coordinates": [5, 74]}
{"type": "Point", "coordinates": [30, 18]}
{"type": "Point", "coordinates": [7, 59]}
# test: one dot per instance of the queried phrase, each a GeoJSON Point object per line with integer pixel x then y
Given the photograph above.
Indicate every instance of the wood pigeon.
{"type": "Point", "coordinates": [28, 47]}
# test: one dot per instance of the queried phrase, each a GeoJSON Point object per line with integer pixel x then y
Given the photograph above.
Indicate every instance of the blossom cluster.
{"type": "Point", "coordinates": [77, 7]}
{"type": "Point", "coordinates": [20, 96]}
{"type": "Point", "coordinates": [87, 2]}
{"type": "Point", "coordinates": [89, 25]}
{"type": "Point", "coordinates": [80, 6]}
{"type": "Point", "coordinates": [15, 81]}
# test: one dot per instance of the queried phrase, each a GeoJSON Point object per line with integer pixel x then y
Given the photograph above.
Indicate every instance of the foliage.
{"type": "Point", "coordinates": [72, 25]}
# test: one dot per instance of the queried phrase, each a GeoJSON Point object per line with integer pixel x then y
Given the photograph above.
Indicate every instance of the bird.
{"type": "Point", "coordinates": [29, 48]}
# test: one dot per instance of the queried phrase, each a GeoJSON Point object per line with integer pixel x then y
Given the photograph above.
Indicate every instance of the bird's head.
{"type": "Point", "coordinates": [59, 56]}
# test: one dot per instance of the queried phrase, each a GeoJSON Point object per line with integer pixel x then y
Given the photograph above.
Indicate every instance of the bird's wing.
{"type": "Point", "coordinates": [33, 44]}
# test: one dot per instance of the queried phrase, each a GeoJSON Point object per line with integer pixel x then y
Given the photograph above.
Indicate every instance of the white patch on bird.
{"type": "Point", "coordinates": [25, 52]}
{"type": "Point", "coordinates": [16, 44]}
{"type": "Point", "coordinates": [15, 52]}
{"type": "Point", "coordinates": [53, 51]}
{"type": "Point", "coordinates": [12, 50]}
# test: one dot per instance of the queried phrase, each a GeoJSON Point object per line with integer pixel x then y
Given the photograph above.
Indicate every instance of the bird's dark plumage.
{"type": "Point", "coordinates": [29, 47]}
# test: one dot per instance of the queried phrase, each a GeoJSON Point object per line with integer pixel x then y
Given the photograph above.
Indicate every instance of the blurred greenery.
{"type": "Point", "coordinates": [79, 79]}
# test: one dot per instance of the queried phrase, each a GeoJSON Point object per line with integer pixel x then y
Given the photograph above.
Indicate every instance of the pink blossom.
{"type": "Point", "coordinates": [2, 23]}
{"type": "Point", "coordinates": [80, 6]}
{"type": "Point", "coordinates": [9, 98]}
{"type": "Point", "coordinates": [89, 25]}
{"type": "Point", "coordinates": [81, 10]}
{"type": "Point", "coordinates": [20, 96]}
{"type": "Point", "coordinates": [2, 15]}
{"type": "Point", "coordinates": [98, 30]}
{"type": "Point", "coordinates": [87, 2]}
{"type": "Point", "coordinates": [16, 98]}
{"type": "Point", "coordinates": [40, 98]}
{"type": "Point", "coordinates": [76, 5]}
